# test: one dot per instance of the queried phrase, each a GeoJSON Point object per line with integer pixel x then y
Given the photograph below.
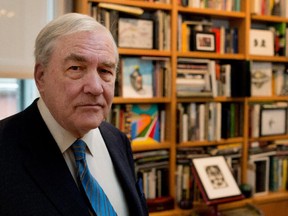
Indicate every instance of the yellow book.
{"type": "Point", "coordinates": [185, 37]}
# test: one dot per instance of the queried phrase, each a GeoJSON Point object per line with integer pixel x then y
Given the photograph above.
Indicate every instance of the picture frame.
{"type": "Point", "coordinates": [273, 121]}
{"type": "Point", "coordinates": [258, 175]}
{"type": "Point", "coordinates": [215, 180]}
{"type": "Point", "coordinates": [261, 42]}
{"type": "Point", "coordinates": [203, 41]}
{"type": "Point", "coordinates": [135, 33]}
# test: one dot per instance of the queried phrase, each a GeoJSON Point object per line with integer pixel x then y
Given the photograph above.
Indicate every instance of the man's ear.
{"type": "Point", "coordinates": [39, 72]}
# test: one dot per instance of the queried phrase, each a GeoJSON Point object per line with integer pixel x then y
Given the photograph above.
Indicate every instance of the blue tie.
{"type": "Point", "coordinates": [97, 197]}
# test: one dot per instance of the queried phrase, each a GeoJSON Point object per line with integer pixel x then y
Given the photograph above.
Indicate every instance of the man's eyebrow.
{"type": "Point", "coordinates": [80, 58]}
{"type": "Point", "coordinates": [74, 57]}
{"type": "Point", "coordinates": [109, 64]}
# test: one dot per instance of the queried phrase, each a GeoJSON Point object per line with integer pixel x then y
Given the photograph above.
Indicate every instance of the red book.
{"type": "Point", "coordinates": [217, 38]}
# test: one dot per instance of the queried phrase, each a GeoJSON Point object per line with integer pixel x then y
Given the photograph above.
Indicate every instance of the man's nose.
{"type": "Point", "coordinates": [93, 83]}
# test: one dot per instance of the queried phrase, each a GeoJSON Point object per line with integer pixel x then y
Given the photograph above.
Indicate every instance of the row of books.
{"type": "Point", "coordinates": [187, 190]}
{"type": "Point", "coordinates": [268, 7]}
{"type": "Point", "coordinates": [209, 121]}
{"type": "Point", "coordinates": [268, 119]}
{"type": "Point", "coordinates": [227, 5]}
{"type": "Point", "coordinates": [267, 167]}
{"type": "Point", "coordinates": [143, 77]}
{"type": "Point", "coordinates": [142, 123]}
{"type": "Point", "coordinates": [153, 28]}
{"type": "Point", "coordinates": [153, 168]}
{"type": "Point", "coordinates": [148, 77]}
{"type": "Point", "coordinates": [205, 77]}
{"type": "Point", "coordinates": [193, 77]}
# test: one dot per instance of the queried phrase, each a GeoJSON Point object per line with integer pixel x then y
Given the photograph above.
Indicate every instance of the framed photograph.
{"type": "Point", "coordinates": [203, 41]}
{"type": "Point", "coordinates": [273, 121]}
{"type": "Point", "coordinates": [261, 42]}
{"type": "Point", "coordinates": [215, 180]}
{"type": "Point", "coordinates": [258, 175]}
{"type": "Point", "coordinates": [135, 33]}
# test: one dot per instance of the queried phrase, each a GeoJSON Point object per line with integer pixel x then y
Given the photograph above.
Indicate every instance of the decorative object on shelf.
{"type": "Point", "coordinates": [261, 78]}
{"type": "Point", "coordinates": [215, 180]}
{"type": "Point", "coordinates": [273, 121]}
{"type": "Point", "coordinates": [203, 41]}
{"type": "Point", "coordinates": [261, 42]}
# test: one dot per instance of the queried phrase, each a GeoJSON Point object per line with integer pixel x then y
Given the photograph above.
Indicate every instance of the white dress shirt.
{"type": "Point", "coordinates": [97, 156]}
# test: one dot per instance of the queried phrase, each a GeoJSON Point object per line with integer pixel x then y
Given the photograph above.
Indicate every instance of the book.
{"type": "Point", "coordinates": [137, 77]}
{"type": "Point", "coordinates": [240, 79]}
{"type": "Point", "coordinates": [225, 80]}
{"type": "Point", "coordinates": [122, 8]}
{"type": "Point", "coordinates": [145, 125]}
{"type": "Point", "coordinates": [261, 79]}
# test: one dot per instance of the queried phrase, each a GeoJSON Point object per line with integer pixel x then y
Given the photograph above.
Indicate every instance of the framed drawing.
{"type": "Point", "coordinates": [135, 33]}
{"type": "Point", "coordinates": [261, 42]}
{"type": "Point", "coordinates": [273, 121]}
{"type": "Point", "coordinates": [202, 41]}
{"type": "Point", "coordinates": [215, 180]}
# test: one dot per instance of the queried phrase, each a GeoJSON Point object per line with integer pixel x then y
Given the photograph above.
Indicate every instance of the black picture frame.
{"type": "Point", "coordinates": [258, 175]}
{"type": "Point", "coordinates": [202, 41]}
{"type": "Point", "coordinates": [273, 121]}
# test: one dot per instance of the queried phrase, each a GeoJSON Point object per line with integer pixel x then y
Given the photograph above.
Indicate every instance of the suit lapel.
{"type": "Point", "coordinates": [118, 154]}
{"type": "Point", "coordinates": [47, 167]}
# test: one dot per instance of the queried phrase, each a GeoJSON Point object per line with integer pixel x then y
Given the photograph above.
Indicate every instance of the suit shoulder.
{"type": "Point", "coordinates": [107, 126]}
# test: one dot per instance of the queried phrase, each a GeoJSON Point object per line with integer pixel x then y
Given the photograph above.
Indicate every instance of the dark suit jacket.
{"type": "Point", "coordinates": [34, 178]}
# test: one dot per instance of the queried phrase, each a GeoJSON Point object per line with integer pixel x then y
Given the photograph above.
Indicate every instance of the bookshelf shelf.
{"type": "Point", "coordinates": [269, 138]}
{"type": "Point", "coordinates": [121, 100]}
{"type": "Point", "coordinates": [243, 21]}
{"type": "Point", "coordinates": [148, 147]}
{"type": "Point", "coordinates": [271, 196]}
{"type": "Point", "coordinates": [211, 55]}
{"type": "Point", "coordinates": [267, 99]}
{"type": "Point", "coordinates": [270, 19]}
{"type": "Point", "coordinates": [212, 12]}
{"type": "Point", "coordinates": [210, 143]}
{"type": "Point", "coordinates": [209, 99]}
{"type": "Point", "coordinates": [269, 58]}
{"type": "Point", "coordinates": [142, 4]}
{"type": "Point", "coordinates": [143, 52]}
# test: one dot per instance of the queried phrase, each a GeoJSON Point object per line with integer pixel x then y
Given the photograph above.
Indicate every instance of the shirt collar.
{"type": "Point", "coordinates": [64, 138]}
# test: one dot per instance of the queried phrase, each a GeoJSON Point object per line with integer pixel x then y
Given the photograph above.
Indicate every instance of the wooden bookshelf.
{"type": "Point", "coordinates": [243, 21]}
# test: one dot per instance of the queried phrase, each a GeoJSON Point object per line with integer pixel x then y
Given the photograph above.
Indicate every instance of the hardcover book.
{"type": "Point", "coordinates": [137, 78]}
{"type": "Point", "coordinates": [145, 126]}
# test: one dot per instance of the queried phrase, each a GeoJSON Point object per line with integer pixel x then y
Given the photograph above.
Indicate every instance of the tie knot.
{"type": "Point", "coordinates": [79, 147]}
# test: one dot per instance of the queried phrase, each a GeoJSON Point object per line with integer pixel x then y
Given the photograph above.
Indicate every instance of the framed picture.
{"type": "Point", "coordinates": [215, 180]}
{"type": "Point", "coordinates": [261, 42]}
{"type": "Point", "coordinates": [258, 175]}
{"type": "Point", "coordinates": [203, 41]}
{"type": "Point", "coordinates": [135, 33]}
{"type": "Point", "coordinates": [273, 121]}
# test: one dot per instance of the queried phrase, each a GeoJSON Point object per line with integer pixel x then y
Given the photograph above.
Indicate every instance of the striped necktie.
{"type": "Point", "coordinates": [97, 197]}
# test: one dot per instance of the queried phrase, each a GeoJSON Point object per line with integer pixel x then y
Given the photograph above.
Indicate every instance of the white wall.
{"type": "Point", "coordinates": [20, 22]}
